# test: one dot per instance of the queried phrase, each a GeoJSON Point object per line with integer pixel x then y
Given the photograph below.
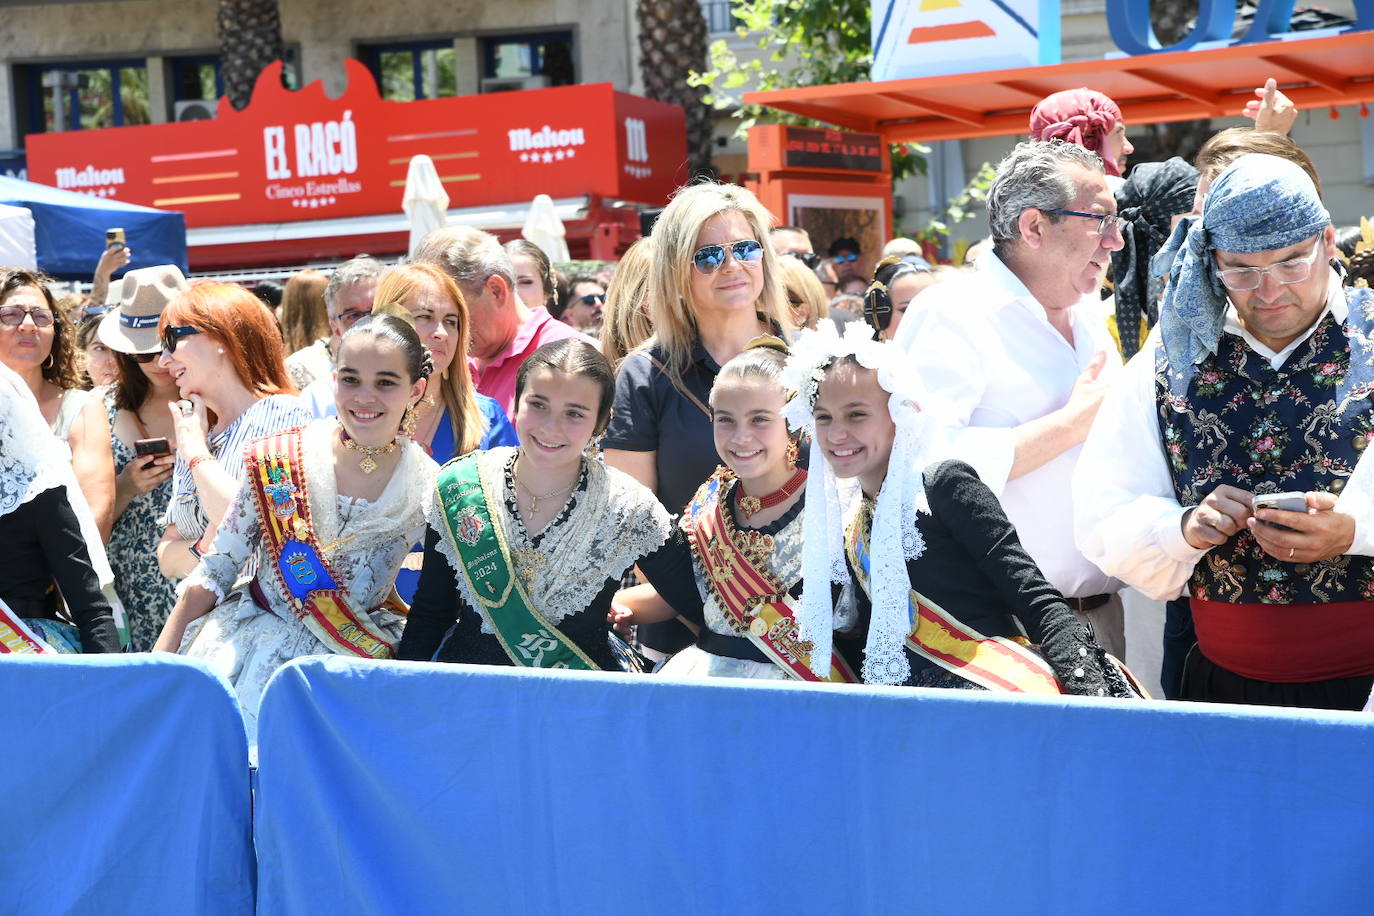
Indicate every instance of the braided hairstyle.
{"type": "Point", "coordinates": [877, 300]}
{"type": "Point", "coordinates": [398, 331]}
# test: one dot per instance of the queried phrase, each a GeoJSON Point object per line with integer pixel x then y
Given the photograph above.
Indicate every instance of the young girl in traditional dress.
{"type": "Point", "coordinates": [329, 511]}
{"type": "Point", "coordinates": [527, 545]}
{"type": "Point", "coordinates": [732, 567]}
{"type": "Point", "coordinates": [946, 594]}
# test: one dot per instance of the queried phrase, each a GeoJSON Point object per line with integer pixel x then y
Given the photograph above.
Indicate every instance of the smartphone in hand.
{"type": "Point", "coordinates": [1289, 502]}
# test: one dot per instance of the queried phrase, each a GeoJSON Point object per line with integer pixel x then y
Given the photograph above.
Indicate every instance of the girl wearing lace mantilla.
{"type": "Point", "coordinates": [527, 545]}
{"type": "Point", "coordinates": [946, 594]}
{"type": "Point", "coordinates": [329, 511]}
{"type": "Point", "coordinates": [732, 566]}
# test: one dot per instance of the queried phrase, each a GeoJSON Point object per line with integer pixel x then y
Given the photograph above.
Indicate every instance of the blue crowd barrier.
{"type": "Point", "coordinates": [416, 788]}
{"type": "Point", "coordinates": [127, 791]}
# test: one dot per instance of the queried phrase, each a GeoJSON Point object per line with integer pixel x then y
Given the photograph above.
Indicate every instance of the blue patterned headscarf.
{"type": "Point", "coordinates": [1260, 203]}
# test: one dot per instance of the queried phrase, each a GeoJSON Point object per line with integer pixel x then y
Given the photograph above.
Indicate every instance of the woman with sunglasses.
{"type": "Point", "coordinates": [143, 438]}
{"type": "Point", "coordinates": [39, 345]}
{"type": "Point", "coordinates": [224, 353]}
{"type": "Point", "coordinates": [714, 287]}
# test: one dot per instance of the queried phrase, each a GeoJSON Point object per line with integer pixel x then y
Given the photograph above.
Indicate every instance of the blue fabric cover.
{"type": "Point", "coordinates": [420, 788]}
{"type": "Point", "coordinates": [69, 229]}
{"type": "Point", "coordinates": [126, 788]}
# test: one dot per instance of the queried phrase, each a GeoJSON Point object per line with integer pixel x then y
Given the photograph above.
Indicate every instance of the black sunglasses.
{"type": "Point", "coordinates": [809, 258]}
{"type": "Point", "coordinates": [709, 258]}
{"type": "Point", "coordinates": [172, 336]}
{"type": "Point", "coordinates": [592, 298]}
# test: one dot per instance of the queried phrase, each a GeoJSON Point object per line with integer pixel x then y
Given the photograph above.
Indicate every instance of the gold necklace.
{"type": "Point", "coordinates": [368, 464]}
{"type": "Point", "coordinates": [535, 497]}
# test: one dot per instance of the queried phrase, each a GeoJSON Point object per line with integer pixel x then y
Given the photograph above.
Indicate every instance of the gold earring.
{"type": "Point", "coordinates": [791, 454]}
{"type": "Point", "coordinates": [408, 420]}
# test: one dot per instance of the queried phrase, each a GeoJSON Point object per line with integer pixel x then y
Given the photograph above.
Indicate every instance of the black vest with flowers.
{"type": "Point", "coordinates": [1234, 419]}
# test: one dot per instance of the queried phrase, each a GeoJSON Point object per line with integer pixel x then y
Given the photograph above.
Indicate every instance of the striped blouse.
{"type": "Point", "coordinates": [269, 415]}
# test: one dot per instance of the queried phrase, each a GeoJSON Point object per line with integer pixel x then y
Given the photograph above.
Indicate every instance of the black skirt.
{"type": "Point", "coordinates": [1207, 682]}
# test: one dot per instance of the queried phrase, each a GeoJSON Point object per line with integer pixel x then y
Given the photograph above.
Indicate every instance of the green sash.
{"type": "Point", "coordinates": [527, 637]}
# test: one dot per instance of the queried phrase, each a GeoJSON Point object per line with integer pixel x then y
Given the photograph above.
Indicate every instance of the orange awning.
{"type": "Point", "coordinates": [1174, 86]}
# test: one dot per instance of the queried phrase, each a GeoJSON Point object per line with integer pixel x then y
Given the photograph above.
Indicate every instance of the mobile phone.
{"type": "Point", "coordinates": [158, 446]}
{"type": "Point", "coordinates": [114, 238]}
{"type": "Point", "coordinates": [1289, 502]}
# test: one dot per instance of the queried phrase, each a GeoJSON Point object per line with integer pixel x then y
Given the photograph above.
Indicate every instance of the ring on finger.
{"type": "Point", "coordinates": [187, 408]}
{"type": "Point", "coordinates": [1291, 551]}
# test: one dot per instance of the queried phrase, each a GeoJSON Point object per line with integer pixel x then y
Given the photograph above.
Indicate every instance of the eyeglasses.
{"type": "Point", "coordinates": [352, 317]}
{"type": "Point", "coordinates": [709, 258]}
{"type": "Point", "coordinates": [1287, 272]}
{"type": "Point", "coordinates": [809, 258]}
{"type": "Point", "coordinates": [846, 256]}
{"type": "Point", "coordinates": [1106, 222]}
{"type": "Point", "coordinates": [144, 358]}
{"type": "Point", "coordinates": [592, 298]}
{"type": "Point", "coordinates": [13, 316]}
{"type": "Point", "coordinates": [172, 336]}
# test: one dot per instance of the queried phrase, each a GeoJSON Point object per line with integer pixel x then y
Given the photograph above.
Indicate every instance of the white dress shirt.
{"type": "Point", "coordinates": [990, 360]}
{"type": "Point", "coordinates": [1128, 519]}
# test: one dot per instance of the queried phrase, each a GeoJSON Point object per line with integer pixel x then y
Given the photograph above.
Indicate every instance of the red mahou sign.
{"type": "Point", "coordinates": [302, 155]}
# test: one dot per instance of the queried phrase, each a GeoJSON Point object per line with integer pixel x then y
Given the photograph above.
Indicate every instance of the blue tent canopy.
{"type": "Point", "coordinates": [69, 229]}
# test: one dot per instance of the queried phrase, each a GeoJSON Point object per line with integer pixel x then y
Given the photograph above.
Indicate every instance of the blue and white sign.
{"type": "Point", "coordinates": [917, 38]}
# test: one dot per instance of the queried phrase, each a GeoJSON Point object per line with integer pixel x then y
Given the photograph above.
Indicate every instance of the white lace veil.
{"type": "Point", "coordinates": [831, 503]}
{"type": "Point", "coordinates": [32, 461]}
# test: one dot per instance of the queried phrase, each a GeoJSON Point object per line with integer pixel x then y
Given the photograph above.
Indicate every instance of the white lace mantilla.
{"type": "Point", "coordinates": [365, 552]}
{"type": "Point", "coordinates": [612, 524]}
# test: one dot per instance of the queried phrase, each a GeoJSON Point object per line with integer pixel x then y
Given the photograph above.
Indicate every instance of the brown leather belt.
{"type": "Point", "coordinates": [1090, 603]}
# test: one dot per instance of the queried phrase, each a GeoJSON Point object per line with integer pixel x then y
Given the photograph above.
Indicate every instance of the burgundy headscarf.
{"type": "Point", "coordinates": [1080, 116]}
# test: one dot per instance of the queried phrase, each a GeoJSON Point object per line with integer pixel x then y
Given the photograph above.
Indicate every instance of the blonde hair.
{"type": "Point", "coordinates": [675, 242]}
{"type": "Point", "coordinates": [397, 287]}
{"type": "Point", "coordinates": [804, 289]}
{"type": "Point", "coordinates": [626, 323]}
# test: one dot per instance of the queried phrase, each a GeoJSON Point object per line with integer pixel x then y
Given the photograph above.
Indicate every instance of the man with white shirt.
{"type": "Point", "coordinates": [1260, 381]}
{"type": "Point", "coordinates": [1016, 358]}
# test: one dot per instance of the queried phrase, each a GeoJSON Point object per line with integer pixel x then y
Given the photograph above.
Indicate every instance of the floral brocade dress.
{"type": "Point", "coordinates": [146, 593]}
{"type": "Point", "coordinates": [253, 629]}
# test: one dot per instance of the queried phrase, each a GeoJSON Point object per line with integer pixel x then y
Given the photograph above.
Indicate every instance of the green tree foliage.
{"type": "Point", "coordinates": [803, 43]}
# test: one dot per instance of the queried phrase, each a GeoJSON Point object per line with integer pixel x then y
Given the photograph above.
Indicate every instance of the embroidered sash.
{"type": "Point", "coordinates": [527, 637]}
{"type": "Point", "coordinates": [995, 662]}
{"type": "Point", "coordinates": [754, 602]}
{"type": "Point", "coordinates": [16, 638]}
{"type": "Point", "coordinates": [275, 467]}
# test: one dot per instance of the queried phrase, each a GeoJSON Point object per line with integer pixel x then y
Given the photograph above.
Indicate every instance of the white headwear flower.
{"type": "Point", "coordinates": [830, 503]}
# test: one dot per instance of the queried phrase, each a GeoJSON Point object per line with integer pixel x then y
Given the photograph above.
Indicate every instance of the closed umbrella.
{"type": "Point", "coordinates": [545, 229]}
{"type": "Point", "coordinates": [16, 238]}
{"type": "Point", "coordinates": [425, 201]}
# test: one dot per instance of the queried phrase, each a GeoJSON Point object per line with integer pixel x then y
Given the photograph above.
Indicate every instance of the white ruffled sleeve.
{"type": "Point", "coordinates": [1127, 518]}
{"type": "Point", "coordinates": [1357, 500]}
{"type": "Point", "coordinates": [237, 537]}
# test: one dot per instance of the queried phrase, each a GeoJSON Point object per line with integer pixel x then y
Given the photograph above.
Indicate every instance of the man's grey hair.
{"type": "Point", "coordinates": [349, 274]}
{"type": "Point", "coordinates": [467, 255]}
{"type": "Point", "coordinates": [1032, 177]}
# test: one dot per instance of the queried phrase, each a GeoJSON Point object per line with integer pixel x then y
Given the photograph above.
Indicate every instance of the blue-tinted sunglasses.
{"type": "Point", "coordinates": [709, 258]}
{"type": "Point", "coordinates": [846, 256]}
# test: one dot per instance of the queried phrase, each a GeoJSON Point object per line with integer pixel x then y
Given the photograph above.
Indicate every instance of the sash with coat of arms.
{"type": "Point", "coordinates": [276, 470]}
{"type": "Point", "coordinates": [528, 638]}
{"type": "Point", "coordinates": [736, 572]}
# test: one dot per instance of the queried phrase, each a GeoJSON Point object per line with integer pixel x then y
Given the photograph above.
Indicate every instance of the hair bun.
{"type": "Point", "coordinates": [767, 342]}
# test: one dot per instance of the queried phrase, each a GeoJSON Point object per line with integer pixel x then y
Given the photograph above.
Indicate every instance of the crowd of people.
{"type": "Point", "coordinates": [726, 459]}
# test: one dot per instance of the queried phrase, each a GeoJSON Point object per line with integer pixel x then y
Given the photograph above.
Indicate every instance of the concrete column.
{"type": "Point", "coordinates": [9, 133]}
{"type": "Point", "coordinates": [467, 64]}
{"type": "Point", "coordinates": [160, 90]}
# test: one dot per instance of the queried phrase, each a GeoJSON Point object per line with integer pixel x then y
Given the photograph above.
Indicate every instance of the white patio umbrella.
{"type": "Point", "coordinates": [16, 237]}
{"type": "Point", "coordinates": [425, 201]}
{"type": "Point", "coordinates": [544, 228]}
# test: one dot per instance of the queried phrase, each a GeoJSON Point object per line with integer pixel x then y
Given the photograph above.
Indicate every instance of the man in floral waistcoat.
{"type": "Point", "coordinates": [1260, 381]}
